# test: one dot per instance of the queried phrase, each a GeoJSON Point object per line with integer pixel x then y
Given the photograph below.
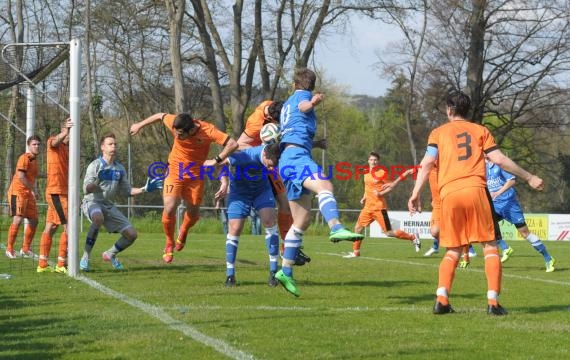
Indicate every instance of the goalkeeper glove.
{"type": "Point", "coordinates": [152, 184]}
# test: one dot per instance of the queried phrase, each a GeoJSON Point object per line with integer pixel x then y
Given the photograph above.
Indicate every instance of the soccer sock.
{"type": "Point", "coordinates": [502, 244]}
{"type": "Point", "coordinates": [356, 247]}
{"type": "Point", "coordinates": [121, 244]}
{"type": "Point", "coordinates": [446, 274]}
{"type": "Point", "coordinates": [493, 272]}
{"type": "Point", "coordinates": [187, 223]}
{"type": "Point", "coordinates": [538, 246]}
{"type": "Point", "coordinates": [232, 243]}
{"type": "Point", "coordinates": [12, 234]}
{"type": "Point", "coordinates": [293, 241]}
{"type": "Point", "coordinates": [399, 234]}
{"type": "Point", "coordinates": [62, 251]}
{"type": "Point", "coordinates": [45, 246]}
{"type": "Point", "coordinates": [92, 234]}
{"type": "Point", "coordinates": [435, 245]}
{"type": "Point", "coordinates": [168, 225]}
{"type": "Point", "coordinates": [328, 205]}
{"type": "Point", "coordinates": [29, 233]}
{"type": "Point", "coordinates": [272, 244]}
{"type": "Point", "coordinates": [284, 221]}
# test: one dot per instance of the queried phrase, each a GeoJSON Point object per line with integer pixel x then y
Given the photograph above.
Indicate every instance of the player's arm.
{"type": "Point", "coordinates": [24, 180]}
{"type": "Point", "coordinates": [136, 127]}
{"type": "Point", "coordinates": [244, 141]}
{"type": "Point", "coordinates": [507, 164]}
{"type": "Point", "coordinates": [229, 147]}
{"type": "Point", "coordinates": [308, 105]}
{"type": "Point", "coordinates": [506, 186]}
{"type": "Point", "coordinates": [59, 138]}
{"type": "Point", "coordinates": [386, 188]}
{"type": "Point", "coordinates": [427, 164]}
{"type": "Point", "coordinates": [91, 180]}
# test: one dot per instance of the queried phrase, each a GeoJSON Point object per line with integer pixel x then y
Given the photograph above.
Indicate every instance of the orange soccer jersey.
{"type": "Point", "coordinates": [57, 167]}
{"type": "Point", "coordinates": [466, 211]}
{"type": "Point", "coordinates": [374, 204]}
{"type": "Point", "coordinates": [189, 154]}
{"type": "Point", "coordinates": [21, 199]}
{"type": "Point", "coordinates": [255, 122]}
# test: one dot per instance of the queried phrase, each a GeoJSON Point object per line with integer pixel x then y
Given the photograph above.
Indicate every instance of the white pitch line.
{"type": "Point", "coordinates": [520, 277]}
{"type": "Point", "coordinates": [158, 313]}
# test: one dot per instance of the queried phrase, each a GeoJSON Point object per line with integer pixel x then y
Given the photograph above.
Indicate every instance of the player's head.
{"type": "Point", "coordinates": [273, 112]}
{"type": "Point", "coordinates": [271, 155]}
{"type": "Point", "coordinates": [373, 158]}
{"type": "Point", "coordinates": [34, 142]}
{"type": "Point", "coordinates": [305, 79]}
{"type": "Point", "coordinates": [183, 124]}
{"type": "Point", "coordinates": [458, 103]}
{"type": "Point", "coordinates": [108, 144]}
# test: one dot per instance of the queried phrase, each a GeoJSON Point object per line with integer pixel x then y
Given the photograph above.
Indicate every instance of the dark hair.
{"type": "Point", "coordinates": [273, 152]}
{"type": "Point", "coordinates": [375, 154]}
{"type": "Point", "coordinates": [184, 122]}
{"type": "Point", "coordinates": [105, 136]}
{"type": "Point", "coordinates": [459, 103]}
{"type": "Point", "coordinates": [305, 79]}
{"type": "Point", "coordinates": [32, 138]}
{"type": "Point", "coordinates": [274, 110]}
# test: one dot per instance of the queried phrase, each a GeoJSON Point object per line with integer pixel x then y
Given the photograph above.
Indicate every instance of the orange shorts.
{"type": "Point", "coordinates": [435, 216]}
{"type": "Point", "coordinates": [367, 216]}
{"type": "Point", "coordinates": [277, 185]}
{"type": "Point", "coordinates": [57, 209]}
{"type": "Point", "coordinates": [23, 205]}
{"type": "Point", "coordinates": [467, 217]}
{"type": "Point", "coordinates": [190, 190]}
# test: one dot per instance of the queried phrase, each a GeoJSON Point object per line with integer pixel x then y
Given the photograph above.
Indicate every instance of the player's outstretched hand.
{"type": "Point", "coordinates": [153, 184]}
{"type": "Point", "coordinates": [536, 183]}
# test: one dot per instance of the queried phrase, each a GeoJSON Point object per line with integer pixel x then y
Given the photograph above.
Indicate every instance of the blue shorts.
{"type": "Point", "coordinates": [511, 211]}
{"type": "Point", "coordinates": [239, 205]}
{"type": "Point", "coordinates": [295, 166]}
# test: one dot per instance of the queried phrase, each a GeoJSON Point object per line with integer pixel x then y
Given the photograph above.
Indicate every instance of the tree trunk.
{"type": "Point", "coordinates": [476, 59]}
{"type": "Point", "coordinates": [175, 15]}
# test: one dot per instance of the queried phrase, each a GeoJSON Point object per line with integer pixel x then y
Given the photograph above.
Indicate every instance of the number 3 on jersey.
{"type": "Point", "coordinates": [464, 141]}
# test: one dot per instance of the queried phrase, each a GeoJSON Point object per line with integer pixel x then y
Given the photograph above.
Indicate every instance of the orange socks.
{"type": "Point", "coordinates": [284, 222]}
{"type": "Point", "coordinates": [168, 225]}
{"type": "Point", "coordinates": [403, 235]}
{"type": "Point", "coordinates": [493, 271]}
{"type": "Point", "coordinates": [12, 233]}
{"type": "Point", "coordinates": [187, 223]}
{"type": "Point", "coordinates": [356, 247]}
{"type": "Point", "coordinates": [45, 246]}
{"type": "Point", "coordinates": [62, 252]}
{"type": "Point", "coordinates": [446, 275]}
{"type": "Point", "coordinates": [28, 237]}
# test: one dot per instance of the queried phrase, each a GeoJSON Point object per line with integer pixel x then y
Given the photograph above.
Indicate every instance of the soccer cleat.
{"type": "Point", "coordinates": [301, 258]}
{"type": "Point", "coordinates": [496, 310]}
{"type": "Point", "coordinates": [288, 283]}
{"type": "Point", "coordinates": [351, 255]}
{"type": "Point", "coordinates": [507, 254]}
{"type": "Point", "coordinates": [230, 281]}
{"type": "Point", "coordinates": [464, 264]}
{"type": "Point", "coordinates": [180, 243]}
{"type": "Point", "coordinates": [27, 254]}
{"type": "Point", "coordinates": [343, 234]}
{"type": "Point", "coordinates": [113, 260]}
{"type": "Point", "coordinates": [60, 270]}
{"type": "Point", "coordinates": [440, 309]}
{"type": "Point", "coordinates": [431, 251]}
{"type": "Point", "coordinates": [40, 269]}
{"type": "Point", "coordinates": [84, 264]}
{"type": "Point", "coordinates": [416, 242]}
{"type": "Point", "coordinates": [11, 254]}
{"type": "Point", "coordinates": [273, 282]}
{"type": "Point", "coordinates": [550, 265]}
{"type": "Point", "coordinates": [167, 255]}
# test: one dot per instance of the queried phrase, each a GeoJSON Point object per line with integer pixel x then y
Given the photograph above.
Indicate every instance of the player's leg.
{"type": "Point", "coordinates": [45, 243]}
{"type": "Point", "coordinates": [434, 231]}
{"type": "Point", "coordinates": [32, 215]}
{"type": "Point", "coordinates": [265, 206]}
{"type": "Point", "coordinates": [94, 213]}
{"type": "Point", "coordinates": [15, 207]}
{"type": "Point", "coordinates": [445, 280]}
{"type": "Point", "coordinates": [192, 194]}
{"type": "Point", "coordinates": [60, 205]}
{"type": "Point", "coordinates": [382, 218]}
{"type": "Point", "coordinates": [537, 245]}
{"type": "Point", "coordinates": [365, 218]}
{"type": "Point", "coordinates": [115, 222]}
{"type": "Point", "coordinates": [238, 210]}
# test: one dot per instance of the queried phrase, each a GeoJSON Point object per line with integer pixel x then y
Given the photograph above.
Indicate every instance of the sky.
{"type": "Point", "coordinates": [349, 58]}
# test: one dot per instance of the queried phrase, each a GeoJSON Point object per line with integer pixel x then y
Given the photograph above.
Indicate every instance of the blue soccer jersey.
{"type": "Point", "coordinates": [496, 178]}
{"type": "Point", "coordinates": [249, 176]}
{"type": "Point", "coordinates": [297, 127]}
